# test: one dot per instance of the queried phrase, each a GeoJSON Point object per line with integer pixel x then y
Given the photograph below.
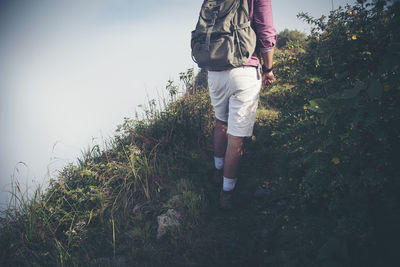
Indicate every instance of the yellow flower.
{"type": "Point", "coordinates": [253, 138]}
{"type": "Point", "coordinates": [317, 38]}
{"type": "Point", "coordinates": [349, 38]}
{"type": "Point", "coordinates": [366, 53]}
{"type": "Point", "coordinates": [386, 87]}
{"type": "Point", "coordinates": [354, 37]}
{"type": "Point", "coordinates": [305, 107]}
{"type": "Point", "coordinates": [355, 12]}
{"type": "Point", "coordinates": [336, 160]}
{"type": "Point", "coordinates": [350, 13]}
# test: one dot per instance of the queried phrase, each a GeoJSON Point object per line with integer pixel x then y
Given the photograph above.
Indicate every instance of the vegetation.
{"type": "Point", "coordinates": [323, 156]}
{"type": "Point", "coordinates": [288, 37]}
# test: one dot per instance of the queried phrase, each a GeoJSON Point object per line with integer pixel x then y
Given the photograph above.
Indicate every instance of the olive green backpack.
{"type": "Point", "coordinates": [223, 37]}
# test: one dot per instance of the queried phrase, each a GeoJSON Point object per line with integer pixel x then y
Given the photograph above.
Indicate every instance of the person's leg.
{"type": "Point", "coordinates": [245, 84]}
{"type": "Point", "coordinates": [234, 152]}
{"type": "Point", "coordinates": [220, 138]}
{"type": "Point", "coordinates": [217, 82]}
{"type": "Point", "coordinates": [220, 141]}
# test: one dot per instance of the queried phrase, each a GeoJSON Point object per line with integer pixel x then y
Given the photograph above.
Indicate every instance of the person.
{"type": "Point", "coordinates": [234, 95]}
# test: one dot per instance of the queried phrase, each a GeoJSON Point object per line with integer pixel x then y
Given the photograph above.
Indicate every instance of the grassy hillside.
{"type": "Point", "coordinates": [322, 162]}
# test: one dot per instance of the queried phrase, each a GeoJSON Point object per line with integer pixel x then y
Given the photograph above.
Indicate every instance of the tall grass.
{"type": "Point", "coordinates": [87, 212]}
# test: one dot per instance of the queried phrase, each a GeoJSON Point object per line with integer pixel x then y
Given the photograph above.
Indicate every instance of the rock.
{"type": "Point", "coordinates": [109, 261]}
{"type": "Point", "coordinates": [174, 199]}
{"type": "Point", "coordinates": [167, 220]}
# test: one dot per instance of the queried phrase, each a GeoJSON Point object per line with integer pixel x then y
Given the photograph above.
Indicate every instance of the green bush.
{"type": "Point", "coordinates": [340, 127]}
{"type": "Point", "coordinates": [290, 37]}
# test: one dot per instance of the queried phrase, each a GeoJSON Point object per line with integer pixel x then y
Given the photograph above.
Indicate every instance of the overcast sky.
{"type": "Point", "coordinates": [71, 70]}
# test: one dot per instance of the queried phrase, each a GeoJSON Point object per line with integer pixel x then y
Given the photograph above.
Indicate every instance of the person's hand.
{"type": "Point", "coordinates": [267, 79]}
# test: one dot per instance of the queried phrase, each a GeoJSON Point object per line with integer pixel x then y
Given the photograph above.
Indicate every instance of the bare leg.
{"type": "Point", "coordinates": [220, 138]}
{"type": "Point", "coordinates": [234, 152]}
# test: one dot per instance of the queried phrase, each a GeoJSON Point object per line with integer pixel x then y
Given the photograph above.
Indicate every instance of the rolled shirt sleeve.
{"type": "Point", "coordinates": [264, 25]}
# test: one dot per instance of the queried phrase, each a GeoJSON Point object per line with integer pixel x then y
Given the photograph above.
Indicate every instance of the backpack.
{"type": "Point", "coordinates": [223, 37]}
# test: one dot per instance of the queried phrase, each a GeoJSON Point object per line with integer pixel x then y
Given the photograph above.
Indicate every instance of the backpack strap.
{"type": "Point", "coordinates": [209, 30]}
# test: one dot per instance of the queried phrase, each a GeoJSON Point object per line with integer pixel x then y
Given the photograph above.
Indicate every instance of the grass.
{"type": "Point", "coordinates": [106, 206]}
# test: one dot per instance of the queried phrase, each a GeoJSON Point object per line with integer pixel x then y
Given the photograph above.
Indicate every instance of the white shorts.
{"type": "Point", "coordinates": [234, 95]}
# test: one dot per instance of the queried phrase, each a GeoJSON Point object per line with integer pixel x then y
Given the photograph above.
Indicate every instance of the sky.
{"type": "Point", "coordinates": [71, 70]}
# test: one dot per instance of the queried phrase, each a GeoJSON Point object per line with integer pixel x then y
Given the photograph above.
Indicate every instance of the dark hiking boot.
{"type": "Point", "coordinates": [226, 200]}
{"type": "Point", "coordinates": [218, 177]}
{"type": "Point", "coordinates": [234, 199]}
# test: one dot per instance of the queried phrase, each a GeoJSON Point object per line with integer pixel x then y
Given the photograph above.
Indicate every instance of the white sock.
{"type": "Point", "coordinates": [229, 184]}
{"type": "Point", "coordinates": [219, 163]}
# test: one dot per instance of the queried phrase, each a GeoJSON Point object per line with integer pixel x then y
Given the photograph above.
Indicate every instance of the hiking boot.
{"type": "Point", "coordinates": [226, 199]}
{"type": "Point", "coordinates": [234, 199]}
{"type": "Point", "coordinates": [218, 176]}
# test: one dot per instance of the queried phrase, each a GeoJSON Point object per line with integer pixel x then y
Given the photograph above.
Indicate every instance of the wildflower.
{"type": "Point", "coordinates": [366, 53]}
{"type": "Point", "coordinates": [305, 107]}
{"type": "Point", "coordinates": [354, 37]}
{"type": "Point", "coordinates": [350, 13]}
{"type": "Point", "coordinates": [326, 32]}
{"type": "Point", "coordinates": [348, 38]}
{"type": "Point", "coordinates": [253, 138]}
{"type": "Point", "coordinates": [317, 38]}
{"type": "Point", "coordinates": [386, 87]}
{"type": "Point", "coordinates": [336, 160]}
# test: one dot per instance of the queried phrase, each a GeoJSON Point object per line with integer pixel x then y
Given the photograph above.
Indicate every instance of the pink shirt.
{"type": "Point", "coordinates": [260, 13]}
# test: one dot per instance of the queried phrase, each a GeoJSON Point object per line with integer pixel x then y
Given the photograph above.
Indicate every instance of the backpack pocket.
{"type": "Point", "coordinates": [218, 54]}
{"type": "Point", "coordinates": [245, 45]}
